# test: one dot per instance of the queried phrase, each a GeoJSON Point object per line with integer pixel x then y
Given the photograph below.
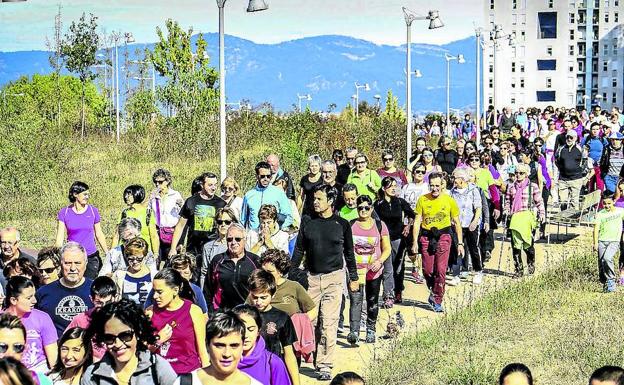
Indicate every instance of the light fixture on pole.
{"type": "Point", "coordinates": [357, 96]}
{"type": "Point", "coordinates": [434, 22]}
{"type": "Point", "coordinates": [460, 59]}
{"type": "Point", "coordinates": [307, 97]}
{"type": "Point", "coordinates": [254, 6]}
{"type": "Point", "coordinates": [353, 99]}
{"type": "Point", "coordinates": [496, 35]}
{"type": "Point", "coordinates": [152, 78]}
{"type": "Point", "coordinates": [128, 38]}
{"type": "Point", "coordinates": [377, 101]}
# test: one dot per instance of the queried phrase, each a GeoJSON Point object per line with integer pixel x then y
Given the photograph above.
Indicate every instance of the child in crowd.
{"type": "Point", "coordinates": [606, 241]}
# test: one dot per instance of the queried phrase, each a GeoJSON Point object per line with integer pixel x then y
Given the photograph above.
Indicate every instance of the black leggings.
{"type": "Point", "coordinates": [517, 256]}
{"type": "Point", "coordinates": [372, 306]}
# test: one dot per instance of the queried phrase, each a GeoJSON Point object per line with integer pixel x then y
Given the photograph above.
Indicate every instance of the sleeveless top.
{"type": "Point", "coordinates": [181, 349]}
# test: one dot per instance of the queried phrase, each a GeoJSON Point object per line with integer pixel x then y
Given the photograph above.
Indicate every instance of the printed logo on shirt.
{"type": "Point", "coordinates": [68, 307]}
{"type": "Point", "coordinates": [271, 328]}
{"type": "Point", "coordinates": [204, 217]}
{"type": "Point", "coordinates": [31, 354]}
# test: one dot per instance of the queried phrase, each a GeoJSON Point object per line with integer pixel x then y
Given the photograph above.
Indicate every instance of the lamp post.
{"type": "Point", "coordinates": [460, 59]}
{"type": "Point", "coordinates": [254, 6]}
{"type": "Point", "coordinates": [307, 97]}
{"type": "Point", "coordinates": [128, 38]}
{"type": "Point", "coordinates": [478, 75]}
{"type": "Point", "coordinates": [152, 78]}
{"type": "Point", "coordinates": [353, 99]}
{"type": "Point", "coordinates": [377, 101]}
{"type": "Point", "coordinates": [496, 35]}
{"type": "Point", "coordinates": [357, 96]}
{"type": "Point", "coordinates": [434, 22]}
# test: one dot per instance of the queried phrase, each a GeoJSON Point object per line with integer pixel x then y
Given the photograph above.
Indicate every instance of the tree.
{"type": "Point", "coordinates": [191, 81]}
{"type": "Point", "coordinates": [78, 50]}
{"type": "Point", "coordinates": [393, 112]}
{"type": "Point", "coordinates": [55, 60]}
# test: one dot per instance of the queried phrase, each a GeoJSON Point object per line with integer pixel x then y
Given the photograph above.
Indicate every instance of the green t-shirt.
{"type": "Point", "coordinates": [610, 224]}
{"type": "Point", "coordinates": [348, 213]}
{"type": "Point", "coordinates": [484, 180]}
{"type": "Point", "coordinates": [290, 297]}
{"type": "Point", "coordinates": [140, 212]}
{"type": "Point", "coordinates": [361, 182]}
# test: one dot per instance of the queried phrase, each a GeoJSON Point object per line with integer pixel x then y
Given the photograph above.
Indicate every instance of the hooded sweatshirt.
{"type": "Point", "coordinates": [264, 366]}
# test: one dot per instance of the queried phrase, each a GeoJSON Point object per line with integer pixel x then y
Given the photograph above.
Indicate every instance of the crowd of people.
{"type": "Point", "coordinates": [241, 288]}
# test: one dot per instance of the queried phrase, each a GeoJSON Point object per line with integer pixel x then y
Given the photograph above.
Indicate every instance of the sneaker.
{"type": "Point", "coordinates": [387, 304]}
{"type": "Point", "coordinates": [464, 275]}
{"type": "Point", "coordinates": [399, 319]}
{"type": "Point", "coordinates": [478, 278]}
{"type": "Point", "coordinates": [352, 338]}
{"type": "Point", "coordinates": [454, 281]}
{"type": "Point", "coordinates": [362, 325]}
{"type": "Point", "coordinates": [324, 376]}
{"type": "Point", "coordinates": [341, 328]}
{"type": "Point", "coordinates": [488, 256]}
{"type": "Point", "coordinates": [531, 269]}
{"type": "Point", "coordinates": [417, 277]}
{"type": "Point", "coordinates": [370, 336]}
{"type": "Point", "coordinates": [438, 308]}
{"type": "Point", "coordinates": [398, 297]}
{"type": "Point", "coordinates": [431, 300]}
{"type": "Point", "coordinates": [609, 286]}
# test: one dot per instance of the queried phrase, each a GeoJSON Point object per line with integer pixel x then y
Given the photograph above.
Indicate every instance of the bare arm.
{"type": "Point", "coordinates": [51, 351]}
{"type": "Point", "coordinates": [101, 238]}
{"type": "Point", "coordinates": [177, 234]}
{"type": "Point", "coordinates": [60, 234]}
{"type": "Point", "coordinates": [199, 326]}
{"type": "Point", "coordinates": [416, 231]}
{"type": "Point", "coordinates": [291, 364]}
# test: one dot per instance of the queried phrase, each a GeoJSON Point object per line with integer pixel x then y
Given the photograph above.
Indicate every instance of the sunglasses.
{"type": "Point", "coordinates": [388, 159]}
{"type": "Point", "coordinates": [237, 239]}
{"type": "Point", "coordinates": [489, 143]}
{"type": "Point", "coordinates": [135, 259]}
{"type": "Point", "coordinates": [159, 181]}
{"type": "Point", "coordinates": [447, 144]}
{"type": "Point", "coordinates": [125, 337]}
{"type": "Point", "coordinates": [420, 172]}
{"type": "Point", "coordinates": [428, 155]}
{"type": "Point", "coordinates": [361, 162]}
{"type": "Point", "coordinates": [475, 160]}
{"type": "Point", "coordinates": [264, 176]}
{"type": "Point", "coordinates": [47, 270]}
{"type": "Point", "coordinates": [228, 188]}
{"type": "Point", "coordinates": [570, 137]}
{"type": "Point", "coordinates": [364, 208]}
{"type": "Point", "coordinates": [17, 348]}
{"type": "Point", "coordinates": [223, 222]}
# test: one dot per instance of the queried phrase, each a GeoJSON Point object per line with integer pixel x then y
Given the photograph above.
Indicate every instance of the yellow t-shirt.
{"type": "Point", "coordinates": [436, 212]}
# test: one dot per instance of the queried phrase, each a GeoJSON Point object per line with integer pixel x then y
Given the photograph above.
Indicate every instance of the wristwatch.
{"type": "Point", "coordinates": [460, 244]}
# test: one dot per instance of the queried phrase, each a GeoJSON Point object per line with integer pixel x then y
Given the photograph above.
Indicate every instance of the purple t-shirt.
{"type": "Point", "coordinates": [80, 226]}
{"type": "Point", "coordinates": [40, 332]}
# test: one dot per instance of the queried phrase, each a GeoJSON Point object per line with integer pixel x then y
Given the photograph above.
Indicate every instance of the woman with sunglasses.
{"type": "Point", "coordinates": [127, 333]}
{"type": "Point", "coordinates": [180, 323]}
{"type": "Point", "coordinates": [165, 203]}
{"type": "Point", "coordinates": [74, 356]}
{"type": "Point", "coordinates": [41, 337]}
{"type": "Point", "coordinates": [224, 218]}
{"type": "Point", "coordinates": [229, 193]}
{"type": "Point", "coordinates": [429, 162]}
{"type": "Point", "coordinates": [134, 198]}
{"type": "Point", "coordinates": [372, 247]}
{"type": "Point", "coordinates": [48, 264]}
{"type": "Point", "coordinates": [524, 199]}
{"type": "Point", "coordinates": [389, 169]}
{"type": "Point", "coordinates": [393, 211]}
{"type": "Point", "coordinates": [505, 161]}
{"type": "Point", "coordinates": [13, 344]}
{"type": "Point", "coordinates": [135, 281]}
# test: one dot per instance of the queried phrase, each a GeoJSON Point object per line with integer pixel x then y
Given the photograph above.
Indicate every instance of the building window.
{"type": "Point", "coordinates": [491, 68]}
{"type": "Point", "coordinates": [548, 82]}
{"type": "Point", "coordinates": [513, 99]}
{"type": "Point", "coordinates": [513, 83]}
{"type": "Point", "coordinates": [521, 82]}
{"type": "Point", "coordinates": [604, 96]}
{"type": "Point", "coordinates": [572, 18]}
{"type": "Point", "coordinates": [615, 50]}
{"type": "Point", "coordinates": [606, 17]}
{"type": "Point", "coordinates": [523, 18]}
{"type": "Point", "coordinates": [545, 96]}
{"type": "Point", "coordinates": [549, 51]}
{"type": "Point", "coordinates": [491, 4]}
{"type": "Point", "coordinates": [547, 25]}
{"type": "Point", "coordinates": [570, 66]}
{"type": "Point", "coordinates": [616, 17]}
{"type": "Point", "coordinates": [547, 65]}
{"type": "Point", "coordinates": [514, 4]}
{"type": "Point", "coordinates": [571, 34]}
{"type": "Point", "coordinates": [606, 49]}
{"type": "Point", "coordinates": [614, 98]}
{"type": "Point", "coordinates": [614, 73]}
{"type": "Point", "coordinates": [605, 66]}
{"type": "Point", "coordinates": [614, 82]}
{"type": "Point", "coordinates": [571, 50]}
{"type": "Point", "coordinates": [522, 36]}
{"type": "Point", "coordinates": [491, 83]}
{"type": "Point", "coordinates": [616, 3]}
{"type": "Point", "coordinates": [521, 68]}
{"type": "Point", "coordinates": [514, 19]}
{"type": "Point", "coordinates": [581, 65]}
{"type": "Point", "coordinates": [551, 3]}
{"type": "Point", "coordinates": [513, 67]}
{"type": "Point", "coordinates": [490, 100]}
{"type": "Point", "coordinates": [606, 3]}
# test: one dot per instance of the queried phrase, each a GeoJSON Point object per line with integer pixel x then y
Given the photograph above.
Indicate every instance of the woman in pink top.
{"type": "Point", "coordinates": [40, 352]}
{"type": "Point", "coordinates": [371, 244]}
{"type": "Point", "coordinates": [181, 324]}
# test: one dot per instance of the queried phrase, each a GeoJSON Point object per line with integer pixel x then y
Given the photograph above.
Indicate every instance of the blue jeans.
{"type": "Point", "coordinates": [610, 182]}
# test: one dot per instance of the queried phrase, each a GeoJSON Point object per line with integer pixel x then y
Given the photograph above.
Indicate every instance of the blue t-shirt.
{"type": "Point", "coordinates": [137, 289]}
{"type": "Point", "coordinates": [63, 303]}
{"type": "Point", "coordinates": [199, 298]}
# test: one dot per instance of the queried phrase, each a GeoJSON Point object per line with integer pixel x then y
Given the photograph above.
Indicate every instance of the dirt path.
{"type": "Point", "coordinates": [418, 314]}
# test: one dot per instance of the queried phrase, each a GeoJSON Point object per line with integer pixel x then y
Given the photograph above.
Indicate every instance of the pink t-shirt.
{"type": "Point", "coordinates": [83, 320]}
{"type": "Point", "coordinates": [80, 226]}
{"type": "Point", "coordinates": [40, 332]}
{"type": "Point", "coordinates": [367, 248]}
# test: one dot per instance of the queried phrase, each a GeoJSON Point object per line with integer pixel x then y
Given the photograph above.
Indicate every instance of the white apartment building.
{"type": "Point", "coordinates": [566, 53]}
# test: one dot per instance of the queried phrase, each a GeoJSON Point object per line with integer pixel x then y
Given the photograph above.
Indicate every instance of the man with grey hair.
{"type": "Point", "coordinates": [128, 229]}
{"type": "Point", "coordinates": [68, 296]}
{"type": "Point", "coordinates": [329, 171]}
{"type": "Point", "coordinates": [226, 283]}
{"type": "Point", "coordinates": [279, 174]}
{"type": "Point", "coordinates": [10, 250]}
{"type": "Point", "coordinates": [345, 169]}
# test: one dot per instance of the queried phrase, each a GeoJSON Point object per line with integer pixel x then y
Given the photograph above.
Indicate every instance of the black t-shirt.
{"type": "Point", "coordinates": [200, 214]}
{"type": "Point", "coordinates": [343, 173]}
{"type": "Point", "coordinates": [277, 330]}
{"type": "Point", "coordinates": [308, 190]}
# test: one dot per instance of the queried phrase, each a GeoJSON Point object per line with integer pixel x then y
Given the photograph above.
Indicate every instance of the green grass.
{"type": "Point", "coordinates": [559, 323]}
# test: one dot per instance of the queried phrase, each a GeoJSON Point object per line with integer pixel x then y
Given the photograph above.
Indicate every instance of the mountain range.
{"type": "Point", "coordinates": [326, 67]}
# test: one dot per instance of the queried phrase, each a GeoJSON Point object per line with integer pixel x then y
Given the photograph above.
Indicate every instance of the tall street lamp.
{"type": "Point", "coordinates": [353, 101]}
{"type": "Point", "coordinates": [357, 96]}
{"type": "Point", "coordinates": [307, 97]}
{"type": "Point", "coordinates": [460, 59]}
{"type": "Point", "coordinates": [434, 22]}
{"type": "Point", "coordinates": [254, 6]}
{"type": "Point", "coordinates": [128, 38]}
{"type": "Point", "coordinates": [496, 36]}
{"type": "Point", "coordinates": [377, 101]}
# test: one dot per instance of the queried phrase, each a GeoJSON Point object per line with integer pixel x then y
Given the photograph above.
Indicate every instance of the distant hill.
{"type": "Point", "coordinates": [324, 66]}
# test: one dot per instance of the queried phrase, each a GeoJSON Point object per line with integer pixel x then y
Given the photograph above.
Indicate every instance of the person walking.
{"type": "Point", "coordinates": [607, 235]}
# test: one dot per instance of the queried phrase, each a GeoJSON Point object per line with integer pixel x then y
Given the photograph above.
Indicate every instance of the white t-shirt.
{"type": "Point", "coordinates": [195, 379]}
{"type": "Point", "coordinates": [279, 239]}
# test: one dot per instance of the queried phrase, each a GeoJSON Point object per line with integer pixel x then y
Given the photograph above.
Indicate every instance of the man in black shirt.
{"type": "Point", "coordinates": [199, 213]}
{"type": "Point", "coordinates": [568, 160]}
{"type": "Point", "coordinates": [345, 169]}
{"type": "Point", "coordinates": [327, 241]}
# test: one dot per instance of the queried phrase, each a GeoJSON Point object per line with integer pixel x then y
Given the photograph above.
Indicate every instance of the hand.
{"type": "Point", "coordinates": [486, 227]}
{"type": "Point", "coordinates": [473, 226]}
{"type": "Point", "coordinates": [542, 218]}
{"type": "Point", "coordinates": [375, 266]}
{"type": "Point", "coordinates": [371, 186]}
{"type": "Point", "coordinates": [180, 202]}
{"type": "Point", "coordinates": [354, 286]}
{"type": "Point", "coordinates": [505, 213]}
{"type": "Point", "coordinates": [460, 250]}
{"type": "Point", "coordinates": [496, 214]}
{"type": "Point", "coordinates": [165, 334]}
{"type": "Point", "coordinates": [415, 248]}
{"type": "Point", "coordinates": [406, 230]}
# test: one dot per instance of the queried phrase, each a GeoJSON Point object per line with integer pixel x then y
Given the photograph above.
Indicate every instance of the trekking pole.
{"type": "Point", "coordinates": [502, 246]}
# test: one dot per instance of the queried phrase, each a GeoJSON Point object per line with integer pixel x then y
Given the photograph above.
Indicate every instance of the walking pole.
{"type": "Point", "coordinates": [502, 247]}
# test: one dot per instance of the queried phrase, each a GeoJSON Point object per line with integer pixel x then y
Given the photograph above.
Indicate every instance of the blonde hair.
{"type": "Point", "coordinates": [229, 181]}
{"type": "Point", "coordinates": [135, 246]}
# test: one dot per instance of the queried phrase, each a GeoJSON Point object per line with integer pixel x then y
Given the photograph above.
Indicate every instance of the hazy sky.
{"type": "Point", "coordinates": [25, 25]}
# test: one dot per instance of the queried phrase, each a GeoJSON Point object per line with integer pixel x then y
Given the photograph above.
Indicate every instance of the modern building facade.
{"type": "Point", "coordinates": [566, 53]}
